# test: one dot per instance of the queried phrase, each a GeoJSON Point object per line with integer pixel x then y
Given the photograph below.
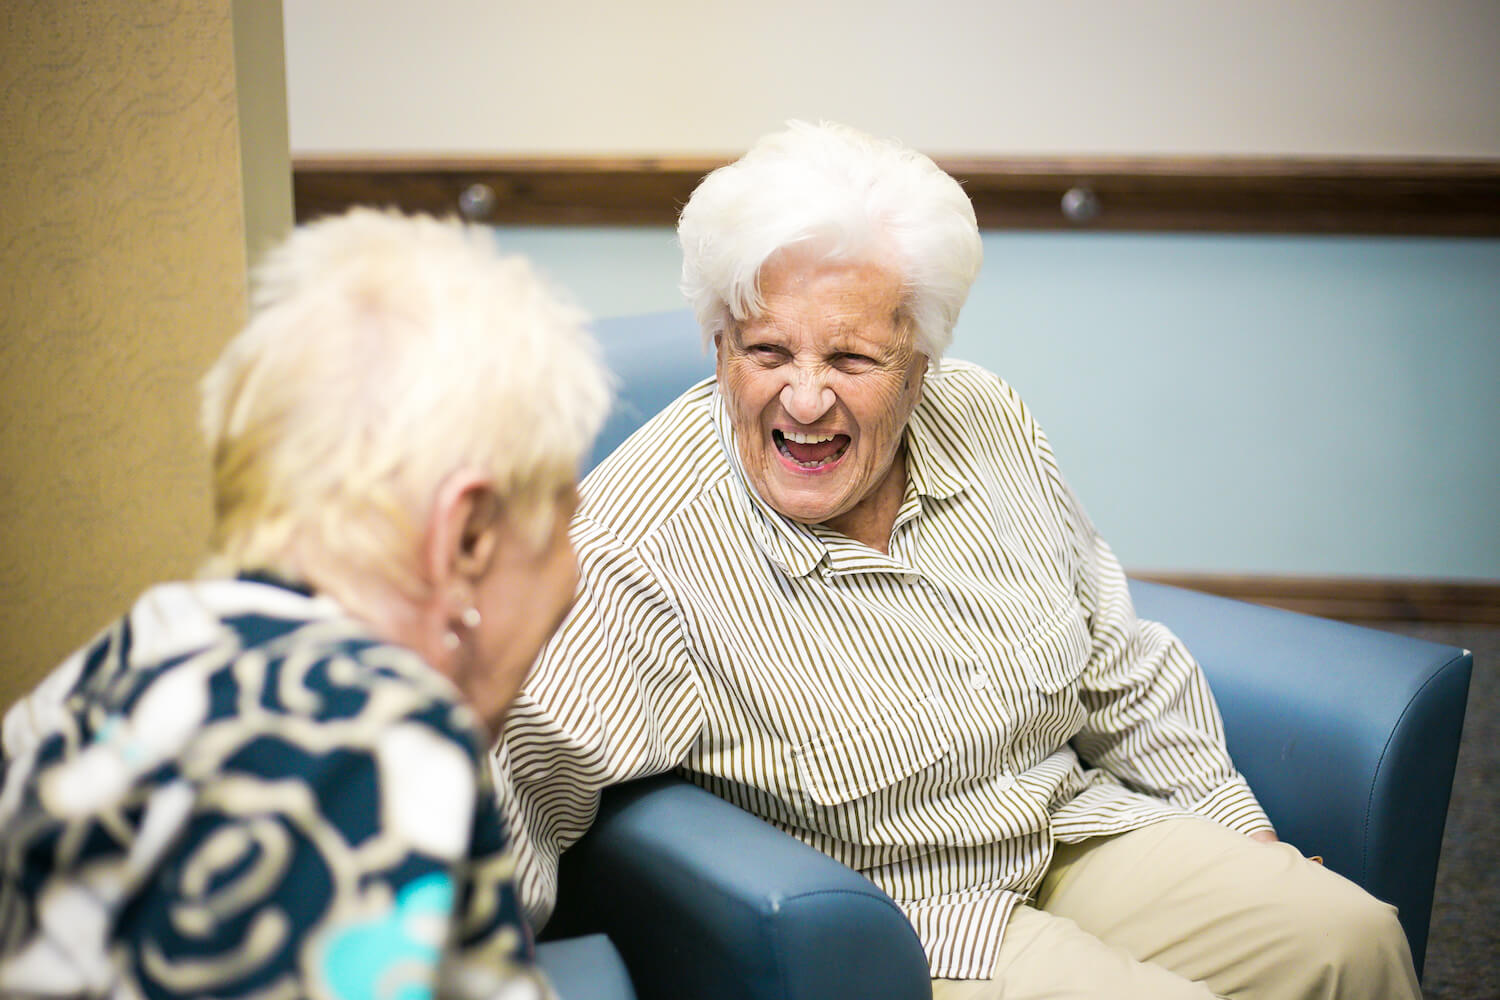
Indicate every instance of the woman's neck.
{"type": "Point", "coordinates": [872, 519]}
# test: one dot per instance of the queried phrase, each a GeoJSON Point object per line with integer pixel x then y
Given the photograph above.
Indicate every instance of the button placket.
{"type": "Point", "coordinates": [972, 672]}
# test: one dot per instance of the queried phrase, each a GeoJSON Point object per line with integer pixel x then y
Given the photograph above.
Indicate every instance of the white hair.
{"type": "Point", "coordinates": [384, 353]}
{"type": "Point", "coordinates": [848, 194]}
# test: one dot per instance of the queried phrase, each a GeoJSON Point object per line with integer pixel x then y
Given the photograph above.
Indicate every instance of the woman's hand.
{"type": "Point", "coordinates": [1269, 837]}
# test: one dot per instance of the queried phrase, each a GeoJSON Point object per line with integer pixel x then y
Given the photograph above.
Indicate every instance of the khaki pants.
{"type": "Point", "coordinates": [1187, 908]}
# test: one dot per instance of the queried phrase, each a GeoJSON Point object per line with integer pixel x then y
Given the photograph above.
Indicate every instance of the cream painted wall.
{"type": "Point", "coordinates": [123, 232]}
{"type": "Point", "coordinates": [1278, 77]}
{"type": "Point", "coordinates": [1270, 405]}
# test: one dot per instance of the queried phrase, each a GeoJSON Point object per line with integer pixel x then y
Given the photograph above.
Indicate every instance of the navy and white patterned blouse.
{"type": "Point", "coordinates": [238, 791]}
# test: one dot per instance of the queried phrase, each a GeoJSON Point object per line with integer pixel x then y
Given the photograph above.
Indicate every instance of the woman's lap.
{"type": "Point", "coordinates": [1189, 908]}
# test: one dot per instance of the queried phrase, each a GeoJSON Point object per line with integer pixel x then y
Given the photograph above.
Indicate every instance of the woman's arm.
{"type": "Point", "coordinates": [1152, 720]}
{"type": "Point", "coordinates": [613, 697]}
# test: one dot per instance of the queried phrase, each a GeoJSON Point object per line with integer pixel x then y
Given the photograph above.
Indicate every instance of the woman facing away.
{"type": "Point", "coordinates": [267, 782]}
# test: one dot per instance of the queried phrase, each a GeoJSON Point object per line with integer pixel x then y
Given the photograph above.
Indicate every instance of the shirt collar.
{"type": "Point", "coordinates": [935, 468]}
{"type": "Point", "coordinates": [273, 579]}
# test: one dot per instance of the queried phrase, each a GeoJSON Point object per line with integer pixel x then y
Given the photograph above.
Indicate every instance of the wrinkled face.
{"type": "Point", "coordinates": [819, 388]}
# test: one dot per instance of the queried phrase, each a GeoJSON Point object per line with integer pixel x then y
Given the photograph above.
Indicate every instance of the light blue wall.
{"type": "Point", "coordinates": [1325, 406]}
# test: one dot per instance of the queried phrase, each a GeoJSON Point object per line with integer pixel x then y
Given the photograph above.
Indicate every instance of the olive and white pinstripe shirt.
{"type": "Point", "coordinates": [935, 718]}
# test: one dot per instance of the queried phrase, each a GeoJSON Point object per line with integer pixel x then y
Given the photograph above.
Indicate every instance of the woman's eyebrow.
{"type": "Point", "coordinates": [851, 339]}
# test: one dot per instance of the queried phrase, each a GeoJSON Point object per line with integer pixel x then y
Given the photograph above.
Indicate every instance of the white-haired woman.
{"type": "Point", "coordinates": [844, 585]}
{"type": "Point", "coordinates": [267, 782]}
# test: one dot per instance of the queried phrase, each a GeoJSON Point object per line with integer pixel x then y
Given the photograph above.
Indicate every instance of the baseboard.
{"type": "Point", "coordinates": [1354, 599]}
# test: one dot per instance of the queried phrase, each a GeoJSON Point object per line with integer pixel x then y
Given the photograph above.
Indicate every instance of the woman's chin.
{"type": "Point", "coordinates": [803, 505]}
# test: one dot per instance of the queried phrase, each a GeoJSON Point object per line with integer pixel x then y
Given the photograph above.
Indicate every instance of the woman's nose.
{"type": "Point", "coordinates": [805, 398]}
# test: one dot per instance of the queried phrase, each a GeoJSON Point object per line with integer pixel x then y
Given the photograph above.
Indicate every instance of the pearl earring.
{"type": "Point", "coordinates": [450, 641]}
{"type": "Point", "coordinates": [470, 618]}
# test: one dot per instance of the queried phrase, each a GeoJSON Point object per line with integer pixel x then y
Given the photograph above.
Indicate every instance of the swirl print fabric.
{"type": "Point", "coordinates": [237, 791]}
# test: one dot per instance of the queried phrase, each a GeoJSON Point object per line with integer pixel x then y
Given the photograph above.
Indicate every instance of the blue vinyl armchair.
{"type": "Point", "coordinates": [1349, 736]}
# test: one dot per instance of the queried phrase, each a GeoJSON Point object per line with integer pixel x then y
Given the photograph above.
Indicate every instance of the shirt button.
{"type": "Point", "coordinates": [979, 680]}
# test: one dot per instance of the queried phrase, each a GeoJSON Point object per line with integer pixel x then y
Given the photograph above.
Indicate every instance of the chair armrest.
{"type": "Point", "coordinates": [705, 900]}
{"type": "Point", "coordinates": [585, 968]}
{"type": "Point", "coordinates": [1349, 736]}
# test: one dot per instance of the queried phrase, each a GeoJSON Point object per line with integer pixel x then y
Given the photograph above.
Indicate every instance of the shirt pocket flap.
{"type": "Point", "coordinates": [1056, 656]}
{"type": "Point", "coordinates": [858, 761]}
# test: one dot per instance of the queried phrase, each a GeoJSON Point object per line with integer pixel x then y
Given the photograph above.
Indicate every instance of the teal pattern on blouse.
{"type": "Point", "coordinates": [236, 790]}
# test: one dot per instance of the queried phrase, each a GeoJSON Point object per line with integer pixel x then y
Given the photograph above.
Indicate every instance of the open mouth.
{"type": "Point", "coordinates": [810, 451]}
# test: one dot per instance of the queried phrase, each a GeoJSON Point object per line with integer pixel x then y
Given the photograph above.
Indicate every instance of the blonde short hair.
{"type": "Point", "coordinates": [385, 352]}
{"type": "Point", "coordinates": [837, 190]}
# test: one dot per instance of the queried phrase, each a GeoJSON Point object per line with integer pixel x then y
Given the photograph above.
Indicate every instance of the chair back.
{"type": "Point", "coordinates": [656, 357]}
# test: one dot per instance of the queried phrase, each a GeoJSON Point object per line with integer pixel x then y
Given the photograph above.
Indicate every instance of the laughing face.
{"type": "Point", "coordinates": [819, 387]}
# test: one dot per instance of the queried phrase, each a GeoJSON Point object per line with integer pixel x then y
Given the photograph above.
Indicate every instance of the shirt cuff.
{"type": "Point", "coordinates": [1235, 806]}
{"type": "Point", "coordinates": [961, 932]}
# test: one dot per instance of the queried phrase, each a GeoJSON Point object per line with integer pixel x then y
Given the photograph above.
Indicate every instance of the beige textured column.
{"type": "Point", "coordinates": [123, 235]}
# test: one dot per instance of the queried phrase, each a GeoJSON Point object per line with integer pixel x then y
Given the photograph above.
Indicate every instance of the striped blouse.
{"type": "Point", "coordinates": [936, 718]}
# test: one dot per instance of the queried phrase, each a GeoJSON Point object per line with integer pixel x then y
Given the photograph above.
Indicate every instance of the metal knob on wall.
{"type": "Point", "coordinates": [1080, 204]}
{"type": "Point", "coordinates": [476, 202]}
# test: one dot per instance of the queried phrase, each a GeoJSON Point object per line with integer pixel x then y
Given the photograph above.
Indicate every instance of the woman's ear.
{"type": "Point", "coordinates": [462, 530]}
{"type": "Point", "coordinates": [480, 533]}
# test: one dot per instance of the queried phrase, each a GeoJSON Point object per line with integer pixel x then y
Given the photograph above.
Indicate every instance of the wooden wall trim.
{"type": "Point", "coordinates": [1354, 599]}
{"type": "Point", "coordinates": [1187, 194]}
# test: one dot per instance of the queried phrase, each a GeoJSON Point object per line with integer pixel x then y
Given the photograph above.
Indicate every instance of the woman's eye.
{"type": "Point", "coordinates": [763, 352]}
{"type": "Point", "coordinates": [854, 362]}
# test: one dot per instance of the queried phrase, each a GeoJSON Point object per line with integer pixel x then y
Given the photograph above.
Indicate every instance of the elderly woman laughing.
{"type": "Point", "coordinates": [844, 585]}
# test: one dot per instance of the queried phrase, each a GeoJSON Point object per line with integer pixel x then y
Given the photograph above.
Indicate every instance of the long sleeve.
{"type": "Point", "coordinates": [613, 697]}
{"type": "Point", "coordinates": [1152, 721]}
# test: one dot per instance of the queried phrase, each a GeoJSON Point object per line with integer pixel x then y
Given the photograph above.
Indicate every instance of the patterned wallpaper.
{"type": "Point", "coordinates": [122, 272]}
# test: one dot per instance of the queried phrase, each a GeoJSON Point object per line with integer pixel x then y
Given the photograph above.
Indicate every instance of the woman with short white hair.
{"type": "Point", "coordinates": [849, 196]}
{"type": "Point", "coordinates": [844, 585]}
{"type": "Point", "coordinates": [266, 781]}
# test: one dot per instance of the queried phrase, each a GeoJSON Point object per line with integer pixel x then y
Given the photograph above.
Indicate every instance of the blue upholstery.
{"type": "Point", "coordinates": [706, 900]}
{"type": "Point", "coordinates": [1348, 735]}
{"type": "Point", "coordinates": [655, 357]}
{"type": "Point", "coordinates": [585, 968]}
